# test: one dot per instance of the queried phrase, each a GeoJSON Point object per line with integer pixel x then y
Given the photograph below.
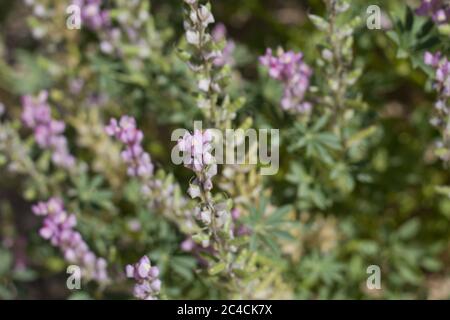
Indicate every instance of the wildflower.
{"type": "Point", "coordinates": [48, 132]}
{"type": "Point", "coordinates": [290, 69]}
{"type": "Point", "coordinates": [58, 228]}
{"type": "Point", "coordinates": [441, 84]}
{"type": "Point", "coordinates": [193, 37]}
{"type": "Point", "coordinates": [160, 193]}
{"type": "Point", "coordinates": [205, 16]}
{"type": "Point", "coordinates": [139, 161]}
{"type": "Point", "coordinates": [442, 75]}
{"type": "Point", "coordinates": [92, 14]}
{"type": "Point", "coordinates": [218, 34]}
{"type": "Point", "coordinates": [197, 156]}
{"type": "Point", "coordinates": [438, 10]}
{"type": "Point", "coordinates": [148, 285]}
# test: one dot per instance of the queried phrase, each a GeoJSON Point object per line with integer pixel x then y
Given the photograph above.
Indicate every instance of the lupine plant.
{"type": "Point", "coordinates": [89, 107]}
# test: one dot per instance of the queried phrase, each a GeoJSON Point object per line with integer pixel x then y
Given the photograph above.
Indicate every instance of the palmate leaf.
{"type": "Point", "coordinates": [413, 35]}
{"type": "Point", "coordinates": [318, 144]}
{"type": "Point", "coordinates": [318, 268]}
{"type": "Point", "coordinates": [309, 191]}
{"type": "Point", "coordinates": [268, 228]}
{"type": "Point", "coordinates": [89, 193]}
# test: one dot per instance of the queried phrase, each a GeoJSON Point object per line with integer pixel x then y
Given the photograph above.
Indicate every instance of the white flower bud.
{"type": "Point", "coordinates": [203, 84]}
{"type": "Point", "coordinates": [194, 191]}
{"type": "Point", "coordinates": [205, 15]}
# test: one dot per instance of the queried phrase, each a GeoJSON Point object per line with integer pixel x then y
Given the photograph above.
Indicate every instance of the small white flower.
{"type": "Point", "coordinates": [106, 47]}
{"type": "Point", "coordinates": [39, 11]}
{"type": "Point", "coordinates": [205, 217]}
{"type": "Point", "coordinates": [194, 191]}
{"type": "Point", "coordinates": [203, 84]}
{"type": "Point", "coordinates": [193, 37]}
{"type": "Point", "coordinates": [193, 17]}
{"type": "Point", "coordinates": [205, 15]}
{"type": "Point", "coordinates": [327, 54]}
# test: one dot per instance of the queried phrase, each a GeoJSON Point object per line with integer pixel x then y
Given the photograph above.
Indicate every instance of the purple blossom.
{"type": "Point", "coordinates": [58, 228]}
{"type": "Point", "coordinates": [441, 84]}
{"type": "Point", "coordinates": [218, 34]}
{"type": "Point", "coordinates": [188, 245]}
{"type": "Point", "coordinates": [442, 75]}
{"type": "Point", "coordinates": [92, 14]}
{"type": "Point", "coordinates": [138, 161]}
{"type": "Point", "coordinates": [197, 156]}
{"type": "Point", "coordinates": [290, 69]}
{"type": "Point", "coordinates": [147, 285]}
{"type": "Point", "coordinates": [438, 10]}
{"type": "Point", "coordinates": [159, 193]}
{"type": "Point", "coordinates": [48, 132]}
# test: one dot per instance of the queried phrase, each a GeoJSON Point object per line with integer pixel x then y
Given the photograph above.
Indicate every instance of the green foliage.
{"type": "Point", "coordinates": [358, 182]}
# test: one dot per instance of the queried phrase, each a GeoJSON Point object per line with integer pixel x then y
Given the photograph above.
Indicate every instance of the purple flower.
{"type": "Point", "coordinates": [92, 14]}
{"type": "Point", "coordinates": [48, 132]}
{"type": "Point", "coordinates": [58, 227]}
{"type": "Point", "coordinates": [218, 34]}
{"type": "Point", "coordinates": [196, 148]}
{"type": "Point", "coordinates": [442, 75]}
{"type": "Point", "coordinates": [438, 10]}
{"type": "Point", "coordinates": [197, 156]}
{"type": "Point", "coordinates": [188, 245]}
{"type": "Point", "coordinates": [147, 285]}
{"type": "Point", "coordinates": [138, 161]}
{"type": "Point", "coordinates": [441, 84]}
{"type": "Point", "coordinates": [290, 69]}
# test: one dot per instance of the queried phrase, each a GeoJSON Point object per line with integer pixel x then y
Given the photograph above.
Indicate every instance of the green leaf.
{"type": "Point", "coordinates": [319, 22]}
{"type": "Point", "coordinates": [409, 229]}
{"type": "Point", "coordinates": [5, 261]}
{"type": "Point", "coordinates": [217, 268]}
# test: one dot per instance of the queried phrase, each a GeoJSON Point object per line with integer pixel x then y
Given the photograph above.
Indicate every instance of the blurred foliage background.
{"type": "Point", "coordinates": [383, 203]}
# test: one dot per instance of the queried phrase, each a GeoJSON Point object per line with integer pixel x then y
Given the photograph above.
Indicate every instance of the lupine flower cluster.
{"type": "Point", "coordinates": [148, 284]}
{"type": "Point", "coordinates": [442, 80]}
{"type": "Point", "coordinates": [290, 69]}
{"type": "Point", "coordinates": [200, 17]}
{"type": "Point", "coordinates": [438, 10]}
{"type": "Point", "coordinates": [197, 156]}
{"type": "Point", "coordinates": [129, 29]}
{"type": "Point", "coordinates": [92, 14]}
{"type": "Point", "coordinates": [138, 161]}
{"type": "Point", "coordinates": [161, 193]}
{"type": "Point", "coordinates": [48, 132]}
{"type": "Point", "coordinates": [58, 228]}
{"type": "Point", "coordinates": [442, 86]}
{"type": "Point", "coordinates": [39, 11]}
